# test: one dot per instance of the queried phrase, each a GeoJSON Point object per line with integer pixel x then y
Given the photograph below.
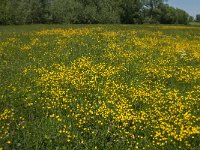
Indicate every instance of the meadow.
{"type": "Point", "coordinates": [96, 87]}
{"type": "Point", "coordinates": [195, 23]}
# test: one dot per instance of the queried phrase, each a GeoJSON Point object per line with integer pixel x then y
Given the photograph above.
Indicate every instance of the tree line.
{"type": "Point", "coordinates": [198, 17]}
{"type": "Point", "coordinates": [90, 12]}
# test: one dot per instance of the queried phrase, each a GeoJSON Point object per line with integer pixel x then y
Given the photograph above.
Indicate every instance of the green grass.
{"type": "Point", "coordinates": [99, 87]}
{"type": "Point", "coordinates": [195, 23]}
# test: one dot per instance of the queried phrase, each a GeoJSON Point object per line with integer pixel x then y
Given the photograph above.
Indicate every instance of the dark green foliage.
{"type": "Point", "coordinates": [198, 17]}
{"type": "Point", "coordinates": [131, 11]}
{"type": "Point", "coordinates": [64, 11]}
{"type": "Point", "coordinates": [90, 12]}
{"type": "Point", "coordinates": [5, 11]}
{"type": "Point", "coordinates": [95, 11]}
{"type": "Point", "coordinates": [170, 15]}
{"type": "Point", "coordinates": [191, 18]}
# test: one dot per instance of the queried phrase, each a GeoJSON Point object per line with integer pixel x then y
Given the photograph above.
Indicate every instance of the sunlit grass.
{"type": "Point", "coordinates": [99, 87]}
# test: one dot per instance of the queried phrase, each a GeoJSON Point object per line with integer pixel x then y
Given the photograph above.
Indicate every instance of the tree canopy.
{"type": "Point", "coordinates": [198, 17]}
{"type": "Point", "coordinates": [90, 12]}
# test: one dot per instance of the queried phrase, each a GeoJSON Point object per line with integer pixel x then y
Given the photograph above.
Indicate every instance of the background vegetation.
{"type": "Point", "coordinates": [90, 12]}
{"type": "Point", "coordinates": [198, 17]}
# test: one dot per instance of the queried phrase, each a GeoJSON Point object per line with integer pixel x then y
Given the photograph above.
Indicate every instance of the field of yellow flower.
{"type": "Point", "coordinates": [112, 87]}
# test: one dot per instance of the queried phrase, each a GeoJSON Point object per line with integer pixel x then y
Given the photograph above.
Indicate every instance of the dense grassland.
{"type": "Point", "coordinates": [99, 87]}
{"type": "Point", "coordinates": [195, 23]}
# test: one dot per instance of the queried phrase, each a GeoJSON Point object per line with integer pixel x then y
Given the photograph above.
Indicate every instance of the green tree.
{"type": "Point", "coordinates": [152, 10]}
{"type": "Point", "coordinates": [87, 12]}
{"type": "Point", "coordinates": [5, 11]}
{"type": "Point", "coordinates": [64, 11]}
{"type": "Point", "coordinates": [198, 17]}
{"type": "Point", "coordinates": [95, 11]}
{"type": "Point", "coordinates": [22, 13]}
{"type": "Point", "coordinates": [131, 11]}
{"type": "Point", "coordinates": [191, 18]}
{"type": "Point", "coordinates": [108, 11]}
{"type": "Point", "coordinates": [182, 16]}
{"type": "Point", "coordinates": [168, 14]}
{"type": "Point", "coordinates": [90, 12]}
{"type": "Point", "coordinates": [36, 11]}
